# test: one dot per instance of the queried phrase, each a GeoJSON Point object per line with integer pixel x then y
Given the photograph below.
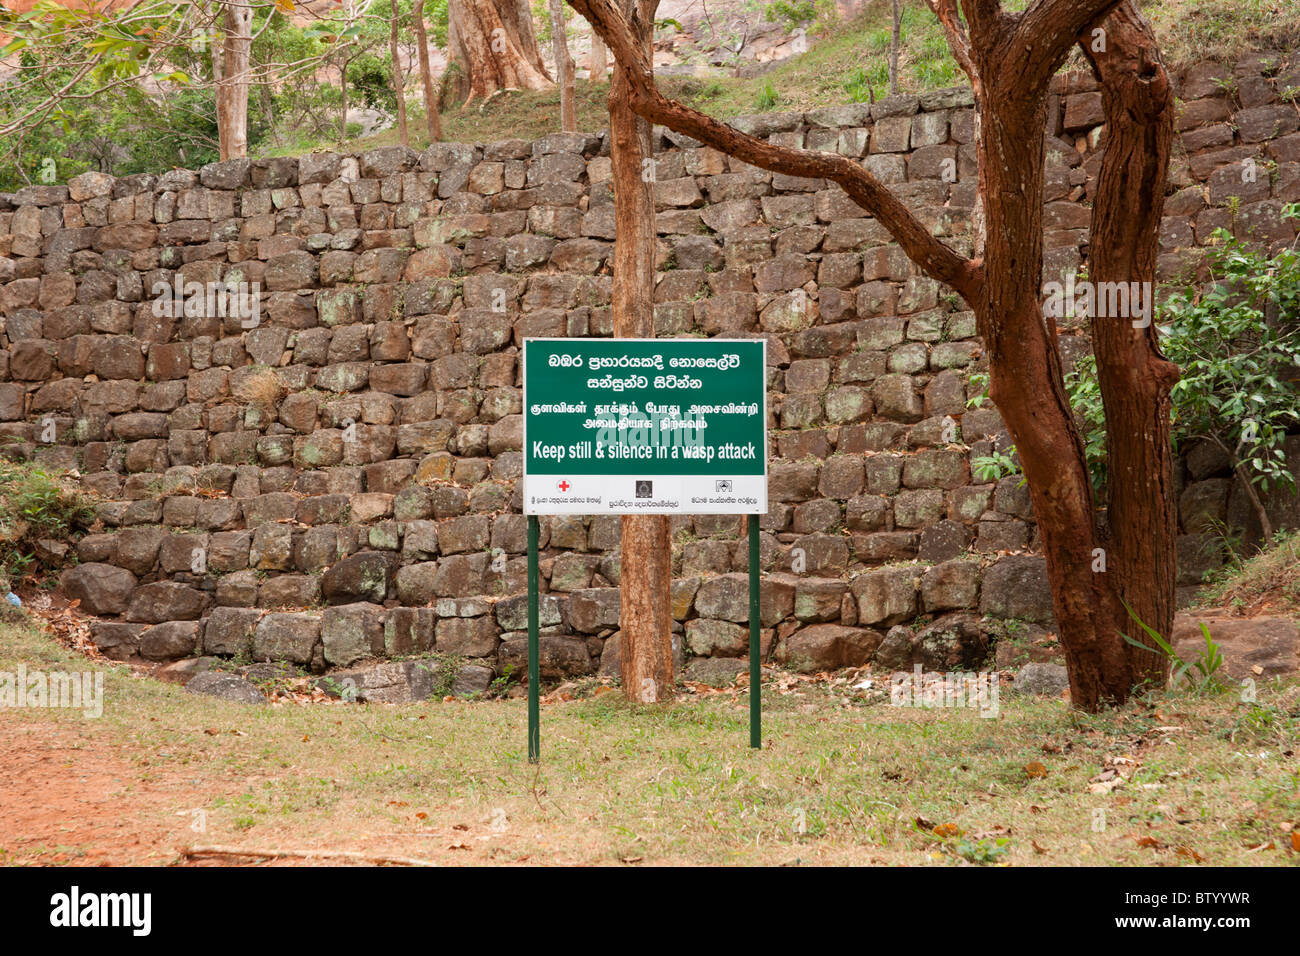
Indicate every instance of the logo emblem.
{"type": "Point", "coordinates": [645, 489]}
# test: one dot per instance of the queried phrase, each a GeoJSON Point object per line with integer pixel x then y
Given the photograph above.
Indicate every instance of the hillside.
{"type": "Point", "coordinates": [847, 61]}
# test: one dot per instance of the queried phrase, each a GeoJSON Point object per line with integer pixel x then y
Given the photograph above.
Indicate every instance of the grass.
{"type": "Point", "coordinates": [849, 63]}
{"type": "Point", "coordinates": [1192, 30]}
{"type": "Point", "coordinates": [1268, 580]}
{"type": "Point", "coordinates": [841, 779]}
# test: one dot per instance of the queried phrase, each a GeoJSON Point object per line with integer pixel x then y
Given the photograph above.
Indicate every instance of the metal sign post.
{"type": "Point", "coordinates": [643, 426]}
{"type": "Point", "coordinates": [755, 675]}
{"type": "Point", "coordinates": [534, 668]}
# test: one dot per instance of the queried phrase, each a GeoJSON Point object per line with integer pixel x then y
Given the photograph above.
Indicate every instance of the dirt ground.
{"type": "Point", "coordinates": [843, 778]}
{"type": "Point", "coordinates": [66, 799]}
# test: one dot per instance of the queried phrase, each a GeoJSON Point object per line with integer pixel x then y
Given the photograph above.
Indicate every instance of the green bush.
{"type": "Point", "coordinates": [35, 505]}
{"type": "Point", "coordinates": [1237, 341]}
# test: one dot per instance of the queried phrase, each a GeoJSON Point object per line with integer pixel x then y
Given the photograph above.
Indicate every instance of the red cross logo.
{"type": "Point", "coordinates": [563, 485]}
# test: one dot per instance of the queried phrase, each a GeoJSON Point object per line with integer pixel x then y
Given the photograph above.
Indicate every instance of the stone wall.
{"type": "Point", "coordinates": [339, 482]}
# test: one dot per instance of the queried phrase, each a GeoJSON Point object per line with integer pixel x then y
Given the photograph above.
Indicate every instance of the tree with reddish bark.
{"type": "Point", "coordinates": [496, 45]}
{"type": "Point", "coordinates": [1108, 560]}
{"type": "Point", "coordinates": [563, 68]}
{"type": "Point", "coordinates": [645, 608]}
{"type": "Point", "coordinates": [432, 118]}
{"type": "Point", "coordinates": [231, 71]}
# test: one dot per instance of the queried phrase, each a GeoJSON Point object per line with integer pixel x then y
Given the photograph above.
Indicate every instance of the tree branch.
{"type": "Point", "coordinates": [955, 31]}
{"type": "Point", "coordinates": [1044, 34]}
{"type": "Point", "coordinates": [922, 247]}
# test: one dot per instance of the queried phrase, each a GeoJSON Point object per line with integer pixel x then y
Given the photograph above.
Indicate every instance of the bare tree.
{"type": "Point", "coordinates": [563, 68]}
{"type": "Point", "coordinates": [1100, 563]}
{"type": "Point", "coordinates": [895, 44]}
{"type": "Point", "coordinates": [232, 88]}
{"type": "Point", "coordinates": [432, 117]}
{"type": "Point", "coordinates": [399, 86]}
{"type": "Point", "coordinates": [598, 60]}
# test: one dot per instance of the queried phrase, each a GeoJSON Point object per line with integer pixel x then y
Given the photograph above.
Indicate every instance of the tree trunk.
{"type": "Point", "coordinates": [431, 116]}
{"type": "Point", "coordinates": [1135, 378]}
{"type": "Point", "coordinates": [1252, 495]}
{"type": "Point", "coordinates": [496, 46]}
{"type": "Point", "coordinates": [563, 68]}
{"type": "Point", "coordinates": [521, 30]}
{"type": "Point", "coordinates": [596, 64]}
{"type": "Point", "coordinates": [1027, 386]}
{"type": "Point", "coordinates": [895, 44]}
{"type": "Point", "coordinates": [399, 86]}
{"type": "Point", "coordinates": [343, 104]}
{"type": "Point", "coordinates": [645, 614]}
{"type": "Point", "coordinates": [454, 86]}
{"type": "Point", "coordinates": [232, 84]}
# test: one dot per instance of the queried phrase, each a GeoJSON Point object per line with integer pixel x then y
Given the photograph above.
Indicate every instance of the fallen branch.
{"type": "Point", "coordinates": [195, 851]}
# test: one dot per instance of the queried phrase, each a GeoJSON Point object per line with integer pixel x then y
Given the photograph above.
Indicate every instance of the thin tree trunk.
{"type": "Point", "coordinates": [399, 86]}
{"type": "Point", "coordinates": [232, 86]}
{"type": "Point", "coordinates": [1256, 502]}
{"type": "Point", "coordinates": [596, 65]}
{"type": "Point", "coordinates": [645, 614]}
{"type": "Point", "coordinates": [432, 117]}
{"type": "Point", "coordinates": [268, 113]}
{"type": "Point", "coordinates": [563, 68]}
{"type": "Point", "coordinates": [895, 43]}
{"type": "Point", "coordinates": [343, 105]}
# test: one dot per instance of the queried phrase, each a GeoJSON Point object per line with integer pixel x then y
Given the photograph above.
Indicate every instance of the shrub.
{"type": "Point", "coordinates": [1237, 341]}
{"type": "Point", "coordinates": [34, 506]}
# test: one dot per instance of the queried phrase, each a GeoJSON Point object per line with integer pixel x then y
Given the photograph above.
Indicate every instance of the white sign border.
{"type": "Point", "coordinates": [523, 465]}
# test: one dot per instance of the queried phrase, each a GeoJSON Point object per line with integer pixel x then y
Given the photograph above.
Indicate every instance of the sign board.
{"type": "Point", "coordinates": [645, 426]}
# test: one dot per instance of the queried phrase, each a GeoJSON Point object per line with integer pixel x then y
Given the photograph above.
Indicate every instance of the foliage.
{"type": "Point", "coordinates": [791, 13]}
{"type": "Point", "coordinates": [125, 90]}
{"type": "Point", "coordinates": [371, 77]}
{"type": "Point", "coordinates": [1085, 397]}
{"type": "Point", "coordinates": [34, 505]}
{"type": "Point", "coordinates": [979, 381]}
{"type": "Point", "coordinates": [995, 465]}
{"type": "Point", "coordinates": [1207, 663]}
{"type": "Point", "coordinates": [1238, 345]}
{"type": "Point", "coordinates": [982, 851]}
{"type": "Point", "coordinates": [865, 84]}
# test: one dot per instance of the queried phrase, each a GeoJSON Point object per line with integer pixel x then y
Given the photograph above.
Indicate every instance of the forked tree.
{"type": "Point", "coordinates": [1010, 59]}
